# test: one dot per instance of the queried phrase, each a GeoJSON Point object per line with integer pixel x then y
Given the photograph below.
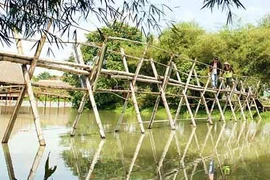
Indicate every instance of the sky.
{"type": "Point", "coordinates": [188, 10]}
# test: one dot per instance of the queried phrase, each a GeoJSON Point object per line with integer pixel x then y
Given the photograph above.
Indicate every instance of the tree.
{"type": "Point", "coordinates": [45, 75]}
{"type": "Point", "coordinates": [31, 17]}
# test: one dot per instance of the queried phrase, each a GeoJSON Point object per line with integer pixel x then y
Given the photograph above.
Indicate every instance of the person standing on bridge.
{"type": "Point", "coordinates": [227, 73]}
{"type": "Point", "coordinates": [214, 69]}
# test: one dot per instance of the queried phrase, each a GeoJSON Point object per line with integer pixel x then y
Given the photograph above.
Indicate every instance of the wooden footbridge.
{"type": "Point", "coordinates": [243, 97]}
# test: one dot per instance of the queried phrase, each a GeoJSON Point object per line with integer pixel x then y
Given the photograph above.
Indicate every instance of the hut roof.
{"type": "Point", "coordinates": [11, 73]}
{"type": "Point", "coordinates": [54, 82]}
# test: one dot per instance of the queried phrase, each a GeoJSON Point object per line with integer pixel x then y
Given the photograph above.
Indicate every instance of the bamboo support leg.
{"type": "Point", "coordinates": [79, 113]}
{"type": "Point", "coordinates": [94, 106]}
{"type": "Point", "coordinates": [132, 85]}
{"type": "Point", "coordinates": [122, 113]}
{"type": "Point", "coordinates": [137, 110]}
{"type": "Point", "coordinates": [35, 111]}
{"type": "Point", "coordinates": [203, 98]}
{"type": "Point", "coordinates": [189, 110]}
{"type": "Point", "coordinates": [185, 91]}
{"type": "Point", "coordinates": [181, 99]}
{"type": "Point", "coordinates": [162, 92]}
{"type": "Point", "coordinates": [178, 109]}
{"type": "Point", "coordinates": [153, 116]}
{"type": "Point", "coordinates": [28, 88]}
{"type": "Point", "coordinates": [257, 109]}
{"type": "Point", "coordinates": [79, 59]}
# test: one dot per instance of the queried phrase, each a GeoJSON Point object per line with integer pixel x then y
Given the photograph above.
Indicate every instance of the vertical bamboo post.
{"type": "Point", "coordinates": [184, 92]}
{"type": "Point", "coordinates": [128, 95]}
{"type": "Point", "coordinates": [79, 113]}
{"type": "Point", "coordinates": [239, 101]}
{"type": "Point", "coordinates": [79, 59]}
{"type": "Point", "coordinates": [216, 100]}
{"type": "Point", "coordinates": [228, 100]}
{"type": "Point", "coordinates": [28, 88]}
{"type": "Point", "coordinates": [181, 99]}
{"type": "Point", "coordinates": [203, 98]}
{"type": "Point", "coordinates": [164, 86]}
{"type": "Point", "coordinates": [153, 115]}
{"type": "Point", "coordinates": [162, 92]}
{"type": "Point", "coordinates": [132, 84]}
{"type": "Point", "coordinates": [100, 63]}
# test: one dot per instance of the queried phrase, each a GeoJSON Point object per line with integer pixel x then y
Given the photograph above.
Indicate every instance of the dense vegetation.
{"type": "Point", "coordinates": [246, 47]}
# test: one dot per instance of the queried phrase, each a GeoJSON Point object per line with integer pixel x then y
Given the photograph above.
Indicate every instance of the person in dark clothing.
{"type": "Point", "coordinates": [214, 69]}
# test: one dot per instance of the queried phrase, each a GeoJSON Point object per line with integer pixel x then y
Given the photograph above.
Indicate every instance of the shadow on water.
{"type": "Point", "coordinates": [236, 150]}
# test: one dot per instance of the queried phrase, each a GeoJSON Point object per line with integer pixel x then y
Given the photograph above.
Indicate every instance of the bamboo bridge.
{"type": "Point", "coordinates": [172, 77]}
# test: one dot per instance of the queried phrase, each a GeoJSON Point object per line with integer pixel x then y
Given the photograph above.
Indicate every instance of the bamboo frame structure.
{"type": "Point", "coordinates": [90, 74]}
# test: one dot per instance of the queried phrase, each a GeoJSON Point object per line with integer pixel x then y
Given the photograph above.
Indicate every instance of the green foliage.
{"type": "Point", "coordinates": [45, 75]}
{"type": "Point", "coordinates": [48, 170]}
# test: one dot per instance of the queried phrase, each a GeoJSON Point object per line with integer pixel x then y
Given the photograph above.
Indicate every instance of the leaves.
{"type": "Point", "coordinates": [48, 170]}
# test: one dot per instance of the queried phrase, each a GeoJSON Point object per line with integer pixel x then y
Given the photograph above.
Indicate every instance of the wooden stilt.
{"type": "Point", "coordinates": [131, 85]}
{"type": "Point", "coordinates": [79, 59]}
{"type": "Point", "coordinates": [28, 88]}
{"type": "Point", "coordinates": [239, 101]}
{"type": "Point", "coordinates": [184, 93]}
{"type": "Point", "coordinates": [153, 116]}
{"type": "Point", "coordinates": [79, 113]}
{"type": "Point", "coordinates": [122, 113]}
{"type": "Point", "coordinates": [162, 92]}
{"type": "Point", "coordinates": [203, 98]}
{"type": "Point", "coordinates": [128, 95]}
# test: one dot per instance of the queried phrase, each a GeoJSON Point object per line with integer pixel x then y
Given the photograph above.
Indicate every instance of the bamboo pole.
{"type": "Point", "coordinates": [162, 92]}
{"type": "Point", "coordinates": [133, 95]}
{"type": "Point", "coordinates": [79, 59]}
{"type": "Point", "coordinates": [203, 98]}
{"type": "Point", "coordinates": [28, 88]}
{"type": "Point", "coordinates": [79, 113]}
{"type": "Point", "coordinates": [184, 92]}
{"type": "Point", "coordinates": [128, 95]}
{"type": "Point", "coordinates": [100, 63]}
{"type": "Point", "coordinates": [239, 101]}
{"type": "Point", "coordinates": [164, 83]}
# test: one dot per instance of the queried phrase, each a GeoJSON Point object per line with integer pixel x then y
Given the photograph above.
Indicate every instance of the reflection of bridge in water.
{"type": "Point", "coordinates": [182, 83]}
{"type": "Point", "coordinates": [187, 159]}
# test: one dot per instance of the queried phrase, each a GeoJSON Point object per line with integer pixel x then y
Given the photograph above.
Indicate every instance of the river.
{"type": "Point", "coordinates": [239, 150]}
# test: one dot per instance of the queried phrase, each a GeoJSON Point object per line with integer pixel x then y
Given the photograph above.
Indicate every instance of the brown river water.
{"type": "Point", "coordinates": [238, 150]}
